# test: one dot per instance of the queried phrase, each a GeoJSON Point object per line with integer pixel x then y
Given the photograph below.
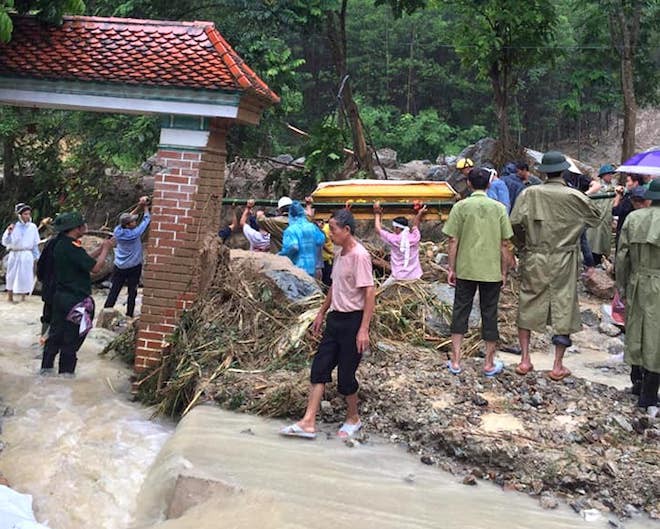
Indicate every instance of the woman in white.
{"type": "Point", "coordinates": [22, 242]}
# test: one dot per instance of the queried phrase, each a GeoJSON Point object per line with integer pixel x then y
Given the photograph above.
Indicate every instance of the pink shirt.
{"type": "Point", "coordinates": [350, 274]}
{"type": "Point", "coordinates": [397, 259]}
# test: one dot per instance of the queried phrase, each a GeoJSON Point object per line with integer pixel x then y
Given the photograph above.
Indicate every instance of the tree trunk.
{"type": "Point", "coordinates": [336, 31]}
{"type": "Point", "coordinates": [629, 107]}
{"type": "Point", "coordinates": [501, 99]}
{"type": "Point", "coordinates": [624, 32]}
{"type": "Point", "coordinates": [410, 73]}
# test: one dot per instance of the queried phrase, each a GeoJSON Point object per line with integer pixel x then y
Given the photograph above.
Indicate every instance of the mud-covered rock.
{"type": "Point", "coordinates": [600, 284]}
{"type": "Point", "coordinates": [589, 318]}
{"type": "Point", "coordinates": [609, 330]}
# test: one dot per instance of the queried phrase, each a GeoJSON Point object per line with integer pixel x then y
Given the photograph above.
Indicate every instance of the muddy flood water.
{"type": "Point", "coordinates": [91, 458]}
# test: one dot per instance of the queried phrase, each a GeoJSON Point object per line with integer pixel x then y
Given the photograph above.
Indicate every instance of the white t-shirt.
{"type": "Point", "coordinates": [259, 242]}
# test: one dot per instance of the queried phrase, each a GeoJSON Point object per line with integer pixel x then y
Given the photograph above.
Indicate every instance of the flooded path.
{"type": "Point", "coordinates": [93, 459]}
{"type": "Point", "coordinates": [78, 446]}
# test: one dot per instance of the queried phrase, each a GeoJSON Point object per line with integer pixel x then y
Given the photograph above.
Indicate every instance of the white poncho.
{"type": "Point", "coordinates": [23, 247]}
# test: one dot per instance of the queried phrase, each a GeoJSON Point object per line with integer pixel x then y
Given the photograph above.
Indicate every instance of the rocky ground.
{"type": "Point", "coordinates": [582, 441]}
{"type": "Point", "coordinates": [5, 411]}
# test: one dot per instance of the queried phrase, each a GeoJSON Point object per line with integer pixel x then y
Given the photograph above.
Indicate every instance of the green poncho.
{"type": "Point", "coordinates": [638, 280]}
{"type": "Point", "coordinates": [600, 237]}
{"type": "Point", "coordinates": [548, 220]}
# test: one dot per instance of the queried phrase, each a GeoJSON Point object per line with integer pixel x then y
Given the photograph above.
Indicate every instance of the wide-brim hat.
{"type": "Point", "coordinates": [653, 192]}
{"type": "Point", "coordinates": [608, 168]}
{"type": "Point", "coordinates": [553, 162]}
{"type": "Point", "coordinates": [68, 221]}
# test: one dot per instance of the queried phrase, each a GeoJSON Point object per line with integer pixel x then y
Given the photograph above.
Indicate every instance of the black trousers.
{"type": "Point", "coordinates": [326, 277]}
{"type": "Point", "coordinates": [489, 297]}
{"type": "Point", "coordinates": [63, 339]}
{"type": "Point", "coordinates": [645, 384]}
{"type": "Point", "coordinates": [587, 256]}
{"type": "Point", "coordinates": [121, 276]}
{"type": "Point", "coordinates": [338, 347]}
{"type": "Point", "coordinates": [46, 316]}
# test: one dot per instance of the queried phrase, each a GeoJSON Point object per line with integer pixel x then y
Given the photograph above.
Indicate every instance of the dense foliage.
{"type": "Point", "coordinates": [424, 75]}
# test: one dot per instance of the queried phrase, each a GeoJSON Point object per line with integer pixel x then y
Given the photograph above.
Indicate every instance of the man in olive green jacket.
{"type": "Point", "coordinates": [547, 222]}
{"type": "Point", "coordinates": [638, 281]}
{"type": "Point", "coordinates": [600, 237]}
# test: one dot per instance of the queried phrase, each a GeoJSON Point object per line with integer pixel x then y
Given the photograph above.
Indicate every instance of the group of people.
{"type": "Point", "coordinates": [65, 269]}
{"type": "Point", "coordinates": [545, 224]}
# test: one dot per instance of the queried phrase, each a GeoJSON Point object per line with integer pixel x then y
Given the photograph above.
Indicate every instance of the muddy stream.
{"type": "Point", "coordinates": [91, 458]}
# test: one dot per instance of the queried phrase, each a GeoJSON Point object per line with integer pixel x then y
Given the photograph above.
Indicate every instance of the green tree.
{"type": "Point", "coordinates": [500, 39]}
{"type": "Point", "coordinates": [48, 10]}
{"type": "Point", "coordinates": [626, 18]}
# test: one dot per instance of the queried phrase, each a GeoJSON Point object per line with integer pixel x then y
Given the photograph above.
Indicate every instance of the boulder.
{"type": "Point", "coordinates": [600, 284]}
{"type": "Point", "coordinates": [439, 322]}
{"type": "Point", "coordinates": [609, 329]}
{"type": "Point", "coordinates": [446, 160]}
{"type": "Point", "coordinates": [413, 170]}
{"type": "Point", "coordinates": [481, 152]}
{"type": "Point", "coordinates": [91, 243]}
{"type": "Point", "coordinates": [437, 173]}
{"type": "Point", "coordinates": [387, 158]}
{"type": "Point", "coordinates": [294, 282]}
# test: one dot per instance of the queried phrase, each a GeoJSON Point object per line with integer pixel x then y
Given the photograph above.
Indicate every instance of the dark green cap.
{"type": "Point", "coordinates": [553, 162]}
{"type": "Point", "coordinates": [653, 192]}
{"type": "Point", "coordinates": [68, 221]}
{"type": "Point", "coordinates": [608, 168]}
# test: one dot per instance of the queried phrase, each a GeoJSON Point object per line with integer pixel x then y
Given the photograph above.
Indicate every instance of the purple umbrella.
{"type": "Point", "coordinates": [643, 163]}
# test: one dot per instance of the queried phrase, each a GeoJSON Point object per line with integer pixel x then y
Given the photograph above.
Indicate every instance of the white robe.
{"type": "Point", "coordinates": [23, 246]}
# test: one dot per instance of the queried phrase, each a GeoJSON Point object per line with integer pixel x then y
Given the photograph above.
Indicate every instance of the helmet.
{"type": "Point", "coordinates": [283, 202]}
{"type": "Point", "coordinates": [462, 163]}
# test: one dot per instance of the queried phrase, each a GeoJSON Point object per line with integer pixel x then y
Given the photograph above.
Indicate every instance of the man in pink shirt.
{"type": "Point", "coordinates": [350, 302]}
{"type": "Point", "coordinates": [403, 243]}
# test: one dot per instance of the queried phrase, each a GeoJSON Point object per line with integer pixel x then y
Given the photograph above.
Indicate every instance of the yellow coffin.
{"type": "Point", "coordinates": [397, 197]}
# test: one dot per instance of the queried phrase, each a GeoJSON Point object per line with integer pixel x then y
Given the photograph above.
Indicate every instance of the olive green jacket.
{"type": "Point", "coordinates": [600, 237]}
{"type": "Point", "coordinates": [638, 281]}
{"type": "Point", "coordinates": [547, 223]}
{"type": "Point", "coordinates": [275, 226]}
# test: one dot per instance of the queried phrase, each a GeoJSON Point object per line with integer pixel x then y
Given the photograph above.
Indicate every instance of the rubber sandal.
{"type": "Point", "coordinates": [453, 370]}
{"type": "Point", "coordinates": [558, 378]}
{"type": "Point", "coordinates": [349, 430]}
{"type": "Point", "coordinates": [497, 369]}
{"type": "Point", "coordinates": [293, 430]}
{"type": "Point", "coordinates": [522, 371]}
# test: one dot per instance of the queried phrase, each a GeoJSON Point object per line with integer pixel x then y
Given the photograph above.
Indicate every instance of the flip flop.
{"type": "Point", "coordinates": [557, 378]}
{"type": "Point", "coordinates": [522, 371]}
{"type": "Point", "coordinates": [293, 430]}
{"type": "Point", "coordinates": [453, 370]}
{"type": "Point", "coordinates": [349, 430]}
{"type": "Point", "coordinates": [497, 369]}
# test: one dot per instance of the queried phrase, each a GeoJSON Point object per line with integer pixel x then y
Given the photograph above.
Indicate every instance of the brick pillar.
{"type": "Point", "coordinates": [185, 211]}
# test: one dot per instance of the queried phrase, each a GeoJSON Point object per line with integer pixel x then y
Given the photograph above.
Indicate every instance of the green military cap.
{"type": "Point", "coordinates": [68, 221]}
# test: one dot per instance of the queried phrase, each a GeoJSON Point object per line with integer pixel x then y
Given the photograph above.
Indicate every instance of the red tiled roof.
{"type": "Point", "coordinates": [129, 51]}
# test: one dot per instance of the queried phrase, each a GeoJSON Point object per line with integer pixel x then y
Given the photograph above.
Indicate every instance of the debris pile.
{"type": "Point", "coordinates": [244, 345]}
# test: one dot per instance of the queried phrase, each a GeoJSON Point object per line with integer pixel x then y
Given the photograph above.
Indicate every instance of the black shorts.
{"type": "Point", "coordinates": [338, 347]}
